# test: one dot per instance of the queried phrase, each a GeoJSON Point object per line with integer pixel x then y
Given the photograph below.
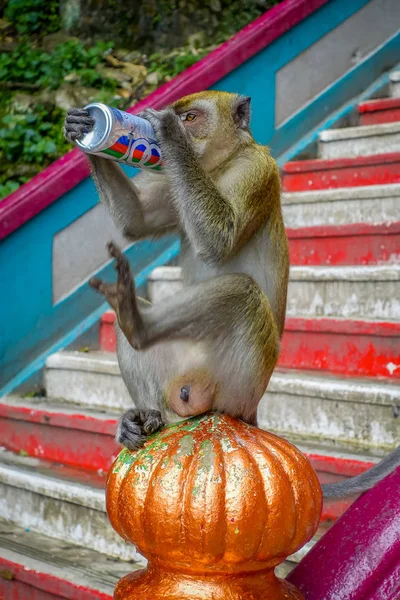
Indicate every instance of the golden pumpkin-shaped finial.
{"type": "Point", "coordinates": [214, 505]}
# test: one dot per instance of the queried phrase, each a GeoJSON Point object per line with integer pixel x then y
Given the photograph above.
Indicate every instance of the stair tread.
{"type": "Point", "coordinates": [378, 104]}
{"type": "Point", "coordinates": [360, 131]}
{"type": "Point", "coordinates": [70, 484]}
{"type": "Point", "coordinates": [335, 387]}
{"type": "Point", "coordinates": [343, 272]}
{"type": "Point", "coordinates": [330, 321]}
{"type": "Point", "coordinates": [58, 406]}
{"type": "Point", "coordinates": [380, 272]}
{"type": "Point", "coordinates": [94, 361]}
{"type": "Point", "coordinates": [394, 76]}
{"type": "Point", "coordinates": [346, 272]}
{"type": "Point", "coordinates": [362, 192]}
{"type": "Point", "coordinates": [77, 565]}
{"type": "Point", "coordinates": [308, 380]}
{"type": "Point", "coordinates": [317, 164]}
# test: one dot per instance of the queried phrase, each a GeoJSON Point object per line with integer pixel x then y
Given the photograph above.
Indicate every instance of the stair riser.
{"type": "Point", "coordinates": [63, 520]}
{"type": "Point", "coordinates": [380, 116]}
{"type": "Point", "coordinates": [344, 299]}
{"type": "Point", "coordinates": [395, 89]}
{"type": "Point", "coordinates": [342, 212]}
{"type": "Point", "coordinates": [341, 249]}
{"type": "Point", "coordinates": [349, 176]}
{"type": "Point", "coordinates": [358, 355]}
{"type": "Point", "coordinates": [349, 424]}
{"type": "Point", "coordinates": [361, 146]}
{"type": "Point", "coordinates": [17, 590]}
{"type": "Point", "coordinates": [94, 389]}
{"type": "Point", "coordinates": [87, 449]}
{"type": "Point", "coordinates": [30, 584]}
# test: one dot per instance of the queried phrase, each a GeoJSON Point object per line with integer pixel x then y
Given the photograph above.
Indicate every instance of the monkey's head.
{"type": "Point", "coordinates": [216, 122]}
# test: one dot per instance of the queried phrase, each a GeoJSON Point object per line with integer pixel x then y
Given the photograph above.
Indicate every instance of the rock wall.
{"type": "Point", "coordinates": [159, 24]}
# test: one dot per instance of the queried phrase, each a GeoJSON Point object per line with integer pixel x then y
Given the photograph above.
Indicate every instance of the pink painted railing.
{"type": "Point", "coordinates": [66, 172]}
{"type": "Point", "coordinates": [359, 557]}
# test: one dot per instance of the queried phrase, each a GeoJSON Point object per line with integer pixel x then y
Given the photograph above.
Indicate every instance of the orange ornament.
{"type": "Point", "coordinates": [214, 505]}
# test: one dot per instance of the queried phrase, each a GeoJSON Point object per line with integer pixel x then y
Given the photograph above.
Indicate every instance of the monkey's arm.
{"type": "Point", "coordinates": [137, 210]}
{"type": "Point", "coordinates": [217, 220]}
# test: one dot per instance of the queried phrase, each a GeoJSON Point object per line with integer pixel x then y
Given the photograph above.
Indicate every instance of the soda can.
{"type": "Point", "coordinates": [120, 136]}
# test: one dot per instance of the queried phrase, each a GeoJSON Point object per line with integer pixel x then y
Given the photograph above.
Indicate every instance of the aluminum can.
{"type": "Point", "coordinates": [120, 136]}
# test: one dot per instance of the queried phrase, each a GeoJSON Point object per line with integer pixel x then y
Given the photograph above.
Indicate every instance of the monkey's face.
{"type": "Point", "coordinates": [216, 122]}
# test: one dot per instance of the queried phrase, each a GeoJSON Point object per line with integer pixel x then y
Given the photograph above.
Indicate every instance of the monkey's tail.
{"type": "Point", "coordinates": [365, 481]}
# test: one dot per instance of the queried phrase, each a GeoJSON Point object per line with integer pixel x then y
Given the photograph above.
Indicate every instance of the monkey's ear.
{"type": "Point", "coordinates": [242, 112]}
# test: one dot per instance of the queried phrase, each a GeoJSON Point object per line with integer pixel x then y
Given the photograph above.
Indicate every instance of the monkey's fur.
{"type": "Point", "coordinates": [214, 344]}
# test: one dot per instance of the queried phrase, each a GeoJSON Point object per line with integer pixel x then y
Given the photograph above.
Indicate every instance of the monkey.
{"type": "Point", "coordinates": [215, 344]}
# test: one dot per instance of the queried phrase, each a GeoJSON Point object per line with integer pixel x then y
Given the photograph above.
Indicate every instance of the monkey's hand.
{"type": "Point", "coordinates": [122, 298]}
{"type": "Point", "coordinates": [169, 129]}
{"type": "Point", "coordinates": [135, 425]}
{"type": "Point", "coordinates": [77, 124]}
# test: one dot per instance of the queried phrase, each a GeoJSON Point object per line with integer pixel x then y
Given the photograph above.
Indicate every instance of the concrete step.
{"type": "Point", "coordinates": [353, 413]}
{"type": "Point", "coordinates": [313, 405]}
{"type": "Point", "coordinates": [352, 347]}
{"type": "Point", "coordinates": [377, 204]}
{"type": "Point", "coordinates": [317, 174]}
{"type": "Point", "coordinates": [162, 282]}
{"type": "Point", "coordinates": [58, 501]}
{"type": "Point", "coordinates": [351, 292]}
{"type": "Point", "coordinates": [84, 439]}
{"type": "Point", "coordinates": [92, 379]}
{"type": "Point", "coordinates": [37, 567]}
{"type": "Point", "coordinates": [359, 141]}
{"type": "Point", "coordinates": [382, 110]}
{"type": "Point", "coordinates": [394, 84]}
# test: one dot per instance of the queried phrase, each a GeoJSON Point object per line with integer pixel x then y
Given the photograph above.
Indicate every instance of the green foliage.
{"type": "Point", "coordinates": [34, 138]}
{"type": "Point", "coordinates": [173, 64]}
{"type": "Point", "coordinates": [27, 64]}
{"type": "Point", "coordinates": [34, 16]}
{"type": "Point", "coordinates": [167, 36]}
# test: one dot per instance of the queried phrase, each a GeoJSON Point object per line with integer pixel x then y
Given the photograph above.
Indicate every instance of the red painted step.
{"type": "Point", "coordinates": [31, 584]}
{"type": "Point", "coordinates": [79, 438]}
{"type": "Point", "coordinates": [350, 347]}
{"type": "Point", "coordinates": [66, 435]}
{"type": "Point", "coordinates": [316, 174]}
{"type": "Point", "coordinates": [358, 244]}
{"type": "Point", "coordinates": [382, 110]}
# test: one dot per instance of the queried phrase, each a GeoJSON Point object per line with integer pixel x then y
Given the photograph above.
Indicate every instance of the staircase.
{"type": "Point", "coordinates": [335, 393]}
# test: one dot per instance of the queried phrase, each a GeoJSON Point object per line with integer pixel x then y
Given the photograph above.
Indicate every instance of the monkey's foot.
{"type": "Point", "coordinates": [135, 425]}
{"type": "Point", "coordinates": [77, 124]}
{"type": "Point", "coordinates": [122, 298]}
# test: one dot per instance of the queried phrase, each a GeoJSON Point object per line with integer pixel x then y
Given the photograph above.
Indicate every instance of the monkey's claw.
{"type": "Point", "coordinates": [77, 124]}
{"type": "Point", "coordinates": [135, 425]}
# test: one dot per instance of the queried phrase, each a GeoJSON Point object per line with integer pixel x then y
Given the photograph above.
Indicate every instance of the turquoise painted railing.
{"type": "Point", "coordinates": [284, 61]}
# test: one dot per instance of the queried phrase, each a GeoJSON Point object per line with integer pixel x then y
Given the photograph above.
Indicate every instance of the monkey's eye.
{"type": "Point", "coordinates": [188, 117]}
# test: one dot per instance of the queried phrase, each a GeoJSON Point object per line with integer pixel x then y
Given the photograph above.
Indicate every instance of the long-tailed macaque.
{"type": "Point", "coordinates": [214, 344]}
